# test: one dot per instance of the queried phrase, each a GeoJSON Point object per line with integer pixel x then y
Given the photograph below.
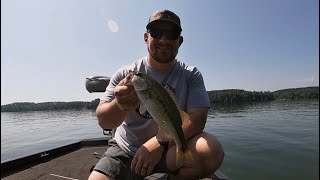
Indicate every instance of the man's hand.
{"type": "Point", "coordinates": [147, 156]}
{"type": "Point", "coordinates": [126, 96]}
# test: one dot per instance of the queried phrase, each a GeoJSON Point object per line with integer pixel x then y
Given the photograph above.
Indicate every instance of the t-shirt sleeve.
{"type": "Point", "coordinates": [197, 93]}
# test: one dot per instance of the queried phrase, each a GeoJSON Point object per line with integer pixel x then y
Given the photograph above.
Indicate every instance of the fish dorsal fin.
{"type": "Point", "coordinates": [183, 114]}
{"type": "Point", "coordinates": [172, 94]}
{"type": "Point", "coordinates": [142, 109]}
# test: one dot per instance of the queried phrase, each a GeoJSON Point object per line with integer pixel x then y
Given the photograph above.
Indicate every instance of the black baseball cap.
{"type": "Point", "coordinates": [164, 16]}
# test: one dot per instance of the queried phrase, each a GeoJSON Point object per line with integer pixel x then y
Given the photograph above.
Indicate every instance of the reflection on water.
{"type": "Point", "coordinates": [272, 140]}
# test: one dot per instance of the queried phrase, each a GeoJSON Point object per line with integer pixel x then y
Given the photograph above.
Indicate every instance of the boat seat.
{"type": "Point", "coordinates": [97, 83]}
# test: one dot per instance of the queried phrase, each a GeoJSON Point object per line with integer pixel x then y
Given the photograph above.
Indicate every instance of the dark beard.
{"type": "Point", "coordinates": [162, 61]}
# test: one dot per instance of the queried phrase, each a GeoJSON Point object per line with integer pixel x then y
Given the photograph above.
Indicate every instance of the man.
{"type": "Point", "coordinates": [134, 151]}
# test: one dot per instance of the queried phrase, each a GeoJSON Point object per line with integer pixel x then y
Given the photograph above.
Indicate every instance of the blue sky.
{"type": "Point", "coordinates": [49, 47]}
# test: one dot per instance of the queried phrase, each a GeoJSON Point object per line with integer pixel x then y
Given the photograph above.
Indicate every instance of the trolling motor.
{"type": "Point", "coordinates": [99, 84]}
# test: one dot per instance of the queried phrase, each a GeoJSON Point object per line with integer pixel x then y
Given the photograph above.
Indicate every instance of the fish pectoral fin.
{"type": "Point", "coordinates": [184, 117]}
{"type": "Point", "coordinates": [163, 135]}
{"type": "Point", "coordinates": [142, 109]}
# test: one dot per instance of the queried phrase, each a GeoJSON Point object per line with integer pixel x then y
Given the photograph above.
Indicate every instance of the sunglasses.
{"type": "Point", "coordinates": [170, 34]}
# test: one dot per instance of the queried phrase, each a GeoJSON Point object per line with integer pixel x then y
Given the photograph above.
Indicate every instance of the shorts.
{"type": "Point", "coordinates": [116, 164]}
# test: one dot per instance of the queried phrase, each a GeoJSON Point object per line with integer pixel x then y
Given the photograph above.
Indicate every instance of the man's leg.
{"type": "Point", "coordinates": [207, 153]}
{"type": "Point", "coordinates": [114, 164]}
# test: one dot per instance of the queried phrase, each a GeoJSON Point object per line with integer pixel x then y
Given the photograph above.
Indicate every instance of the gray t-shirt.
{"type": "Point", "coordinates": [185, 81]}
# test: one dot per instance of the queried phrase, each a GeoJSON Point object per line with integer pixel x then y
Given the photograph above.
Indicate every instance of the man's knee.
{"type": "Point", "coordinates": [210, 151]}
{"type": "Point", "coordinates": [208, 155]}
{"type": "Point", "coordinates": [98, 176]}
{"type": "Point", "coordinates": [218, 156]}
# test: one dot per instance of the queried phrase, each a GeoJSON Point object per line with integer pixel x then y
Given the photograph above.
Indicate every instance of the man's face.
{"type": "Point", "coordinates": [163, 42]}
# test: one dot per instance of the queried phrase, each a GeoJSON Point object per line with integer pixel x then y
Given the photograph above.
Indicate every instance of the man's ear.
{"type": "Point", "coordinates": [145, 36]}
{"type": "Point", "coordinates": [180, 40]}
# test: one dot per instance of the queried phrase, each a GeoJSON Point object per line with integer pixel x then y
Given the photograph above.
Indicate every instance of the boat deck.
{"type": "Point", "coordinates": [75, 164]}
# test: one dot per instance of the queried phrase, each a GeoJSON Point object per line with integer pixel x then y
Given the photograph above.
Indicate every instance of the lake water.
{"type": "Point", "coordinates": [274, 140]}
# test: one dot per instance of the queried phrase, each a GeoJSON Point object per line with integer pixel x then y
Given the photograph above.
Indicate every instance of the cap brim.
{"type": "Point", "coordinates": [161, 21]}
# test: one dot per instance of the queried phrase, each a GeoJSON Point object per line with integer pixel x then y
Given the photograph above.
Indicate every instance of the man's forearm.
{"type": "Point", "coordinates": [196, 122]}
{"type": "Point", "coordinates": [109, 114]}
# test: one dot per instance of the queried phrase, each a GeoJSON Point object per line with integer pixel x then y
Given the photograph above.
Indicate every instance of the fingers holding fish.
{"type": "Point", "coordinates": [126, 97]}
{"type": "Point", "coordinates": [122, 89]}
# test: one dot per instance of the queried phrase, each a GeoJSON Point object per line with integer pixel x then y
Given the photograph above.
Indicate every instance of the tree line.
{"type": "Point", "coordinates": [216, 96]}
{"type": "Point", "coordinates": [238, 95]}
{"type": "Point", "coordinates": [47, 106]}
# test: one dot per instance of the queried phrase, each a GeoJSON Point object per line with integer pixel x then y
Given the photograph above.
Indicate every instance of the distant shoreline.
{"type": "Point", "coordinates": [215, 96]}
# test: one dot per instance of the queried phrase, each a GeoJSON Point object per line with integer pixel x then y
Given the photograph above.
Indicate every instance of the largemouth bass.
{"type": "Point", "coordinates": [161, 104]}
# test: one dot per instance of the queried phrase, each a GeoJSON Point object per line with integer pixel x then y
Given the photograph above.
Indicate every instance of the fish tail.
{"type": "Point", "coordinates": [183, 156]}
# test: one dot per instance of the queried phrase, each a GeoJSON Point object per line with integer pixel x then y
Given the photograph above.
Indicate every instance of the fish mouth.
{"type": "Point", "coordinates": [138, 80]}
{"type": "Point", "coordinates": [135, 73]}
{"type": "Point", "coordinates": [130, 79]}
{"type": "Point", "coordinates": [131, 72]}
